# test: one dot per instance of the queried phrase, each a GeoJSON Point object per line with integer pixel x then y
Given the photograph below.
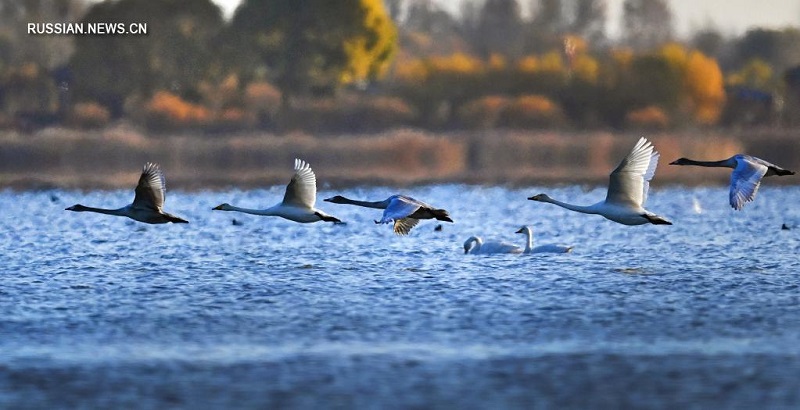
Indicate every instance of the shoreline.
{"type": "Point", "coordinates": [111, 158]}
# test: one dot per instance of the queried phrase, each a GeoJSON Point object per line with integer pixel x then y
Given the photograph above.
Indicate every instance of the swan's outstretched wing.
{"type": "Point", "coordinates": [400, 207]}
{"type": "Point", "coordinates": [745, 180]}
{"type": "Point", "coordinates": [403, 226]}
{"type": "Point", "coordinates": [630, 182]}
{"type": "Point", "coordinates": [151, 189]}
{"type": "Point", "coordinates": [302, 189]}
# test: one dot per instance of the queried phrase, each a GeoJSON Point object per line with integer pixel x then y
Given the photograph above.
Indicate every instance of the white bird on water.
{"type": "Point", "coordinates": [405, 212]}
{"type": "Point", "coordinates": [550, 248]}
{"type": "Point", "coordinates": [745, 178]}
{"type": "Point", "coordinates": [474, 245]}
{"type": "Point", "coordinates": [627, 190]}
{"type": "Point", "coordinates": [298, 201]}
{"type": "Point", "coordinates": [147, 202]}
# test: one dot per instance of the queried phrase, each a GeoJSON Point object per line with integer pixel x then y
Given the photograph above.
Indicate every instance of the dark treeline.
{"type": "Point", "coordinates": [370, 65]}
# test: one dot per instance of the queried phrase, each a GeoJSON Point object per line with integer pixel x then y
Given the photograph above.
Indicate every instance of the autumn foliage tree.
{"type": "Point", "coordinates": [315, 45]}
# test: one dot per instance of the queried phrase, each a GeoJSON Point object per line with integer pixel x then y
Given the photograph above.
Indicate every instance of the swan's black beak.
{"type": "Point", "coordinates": [519, 231]}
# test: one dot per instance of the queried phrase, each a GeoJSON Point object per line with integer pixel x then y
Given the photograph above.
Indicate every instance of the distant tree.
{"type": "Point", "coordinates": [428, 17]}
{"type": "Point", "coordinates": [589, 20]}
{"type": "Point", "coordinates": [553, 19]}
{"type": "Point", "coordinates": [646, 24]}
{"type": "Point", "coordinates": [709, 41]}
{"type": "Point", "coordinates": [316, 45]}
{"type": "Point", "coordinates": [29, 83]}
{"type": "Point", "coordinates": [705, 87]}
{"type": "Point", "coordinates": [394, 7]}
{"type": "Point", "coordinates": [779, 48]}
{"type": "Point", "coordinates": [45, 51]}
{"type": "Point", "coordinates": [547, 25]}
{"type": "Point", "coordinates": [175, 55]}
{"type": "Point", "coordinates": [646, 80]}
{"type": "Point", "coordinates": [500, 29]}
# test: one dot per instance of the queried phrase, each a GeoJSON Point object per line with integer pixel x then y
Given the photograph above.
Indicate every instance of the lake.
{"type": "Point", "coordinates": [99, 311]}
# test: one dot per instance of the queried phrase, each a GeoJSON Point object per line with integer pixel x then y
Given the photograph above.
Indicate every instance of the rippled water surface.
{"type": "Point", "coordinates": [100, 311]}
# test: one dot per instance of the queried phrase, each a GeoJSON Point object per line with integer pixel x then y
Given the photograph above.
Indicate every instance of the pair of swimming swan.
{"type": "Point", "coordinates": [297, 205]}
{"type": "Point", "coordinates": [629, 184]}
{"type": "Point", "coordinates": [476, 246]}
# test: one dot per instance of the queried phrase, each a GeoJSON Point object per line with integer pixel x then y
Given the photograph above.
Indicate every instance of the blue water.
{"type": "Point", "coordinates": [102, 312]}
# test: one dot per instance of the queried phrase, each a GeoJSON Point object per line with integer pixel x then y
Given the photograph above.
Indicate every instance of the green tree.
{"type": "Point", "coordinates": [316, 45]}
{"type": "Point", "coordinates": [589, 20]}
{"type": "Point", "coordinates": [546, 27]}
{"type": "Point", "coordinates": [176, 54]}
{"type": "Point", "coordinates": [779, 48]}
{"type": "Point", "coordinates": [646, 23]}
{"type": "Point", "coordinates": [499, 29]}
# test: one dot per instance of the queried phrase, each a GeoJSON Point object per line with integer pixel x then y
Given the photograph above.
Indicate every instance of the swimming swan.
{"type": "Point", "coordinates": [298, 201]}
{"type": "Point", "coordinates": [745, 178]}
{"type": "Point", "coordinates": [147, 201]}
{"type": "Point", "coordinates": [627, 190]}
{"type": "Point", "coordinates": [541, 248]}
{"type": "Point", "coordinates": [476, 246]}
{"type": "Point", "coordinates": [404, 211]}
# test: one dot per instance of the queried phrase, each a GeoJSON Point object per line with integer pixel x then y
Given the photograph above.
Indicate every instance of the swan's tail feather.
{"type": "Point", "coordinates": [441, 215]}
{"type": "Point", "coordinates": [174, 219]}
{"type": "Point", "coordinates": [328, 218]}
{"type": "Point", "coordinates": [657, 220]}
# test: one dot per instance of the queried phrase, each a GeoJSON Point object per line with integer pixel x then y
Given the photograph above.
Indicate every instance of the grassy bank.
{"type": "Point", "coordinates": [112, 157]}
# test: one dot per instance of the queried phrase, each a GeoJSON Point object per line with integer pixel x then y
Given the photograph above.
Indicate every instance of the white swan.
{"type": "Point", "coordinates": [745, 178]}
{"type": "Point", "coordinates": [550, 248]}
{"type": "Point", "coordinates": [404, 211]}
{"type": "Point", "coordinates": [147, 201]}
{"type": "Point", "coordinates": [298, 201]}
{"type": "Point", "coordinates": [474, 245]}
{"type": "Point", "coordinates": [627, 190]}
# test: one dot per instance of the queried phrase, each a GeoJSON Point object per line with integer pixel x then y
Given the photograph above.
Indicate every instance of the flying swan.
{"type": "Point", "coordinates": [404, 211]}
{"type": "Point", "coordinates": [745, 178]}
{"type": "Point", "coordinates": [147, 201]}
{"type": "Point", "coordinates": [526, 230]}
{"type": "Point", "coordinates": [474, 245]}
{"type": "Point", "coordinates": [627, 190]}
{"type": "Point", "coordinates": [298, 201]}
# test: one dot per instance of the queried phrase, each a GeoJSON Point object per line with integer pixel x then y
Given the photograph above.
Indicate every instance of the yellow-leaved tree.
{"type": "Point", "coordinates": [703, 82]}
{"type": "Point", "coordinates": [315, 45]}
{"type": "Point", "coordinates": [705, 86]}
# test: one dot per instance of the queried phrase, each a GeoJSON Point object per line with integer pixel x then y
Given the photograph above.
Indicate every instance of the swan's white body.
{"type": "Point", "coordinates": [298, 201]}
{"type": "Point", "coordinates": [476, 246]}
{"type": "Point", "coordinates": [550, 248]}
{"type": "Point", "coordinates": [745, 178]}
{"type": "Point", "coordinates": [148, 201]}
{"type": "Point", "coordinates": [628, 186]}
{"type": "Point", "coordinates": [404, 211]}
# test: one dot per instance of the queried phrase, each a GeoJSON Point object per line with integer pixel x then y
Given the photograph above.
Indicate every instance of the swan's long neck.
{"type": "Point", "coordinates": [577, 208]}
{"type": "Point", "coordinates": [262, 212]}
{"type": "Point", "coordinates": [367, 204]}
{"type": "Point", "coordinates": [117, 212]}
{"type": "Point", "coordinates": [474, 244]}
{"type": "Point", "coordinates": [725, 163]}
{"type": "Point", "coordinates": [528, 242]}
